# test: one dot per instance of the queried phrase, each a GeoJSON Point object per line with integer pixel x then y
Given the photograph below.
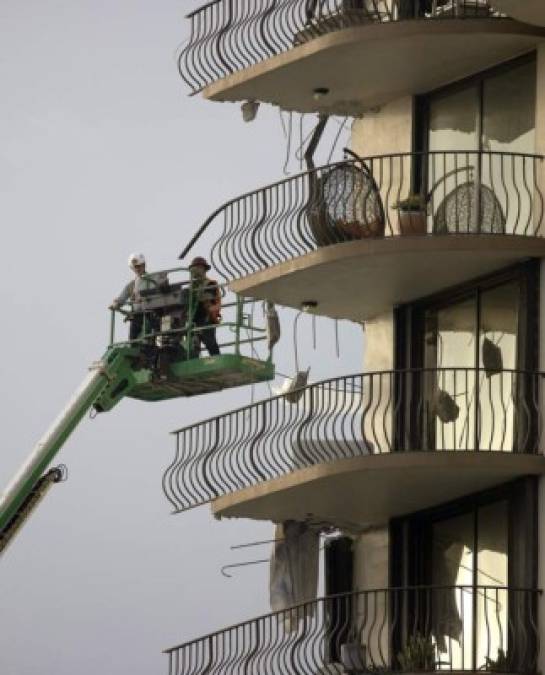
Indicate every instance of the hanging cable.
{"type": "Point", "coordinates": [299, 154]}
{"type": "Point", "coordinates": [288, 141]}
{"type": "Point", "coordinates": [301, 117]}
{"type": "Point", "coordinates": [254, 351]}
{"type": "Point", "coordinates": [242, 564]}
{"type": "Point", "coordinates": [337, 348]}
{"type": "Point", "coordinates": [337, 136]}
{"type": "Point", "coordinates": [249, 563]}
{"type": "Point", "coordinates": [314, 332]}
{"type": "Point", "coordinates": [255, 543]}
{"type": "Point", "coordinates": [295, 346]}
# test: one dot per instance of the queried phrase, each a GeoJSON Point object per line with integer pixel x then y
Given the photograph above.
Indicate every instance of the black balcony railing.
{"type": "Point", "coordinates": [416, 629]}
{"type": "Point", "coordinates": [230, 35]}
{"type": "Point", "coordinates": [449, 409]}
{"type": "Point", "coordinates": [435, 193]}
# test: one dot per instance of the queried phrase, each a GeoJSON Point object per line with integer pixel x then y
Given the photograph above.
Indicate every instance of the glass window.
{"type": "Point", "coordinates": [470, 381]}
{"type": "Point", "coordinates": [472, 192]}
{"type": "Point", "coordinates": [470, 573]}
{"type": "Point", "coordinates": [509, 103]}
{"type": "Point", "coordinates": [453, 121]}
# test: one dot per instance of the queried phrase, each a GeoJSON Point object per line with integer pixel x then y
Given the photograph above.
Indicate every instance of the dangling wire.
{"type": "Point", "coordinates": [337, 348]}
{"type": "Point", "coordinates": [314, 332]}
{"type": "Point", "coordinates": [338, 135]}
{"type": "Point", "coordinates": [242, 564]}
{"type": "Point", "coordinates": [254, 352]}
{"type": "Point", "coordinates": [256, 355]}
{"type": "Point", "coordinates": [299, 152]}
{"type": "Point", "coordinates": [301, 118]}
{"type": "Point", "coordinates": [255, 543]}
{"type": "Point", "coordinates": [261, 561]}
{"type": "Point", "coordinates": [287, 136]}
{"type": "Point", "coordinates": [295, 347]}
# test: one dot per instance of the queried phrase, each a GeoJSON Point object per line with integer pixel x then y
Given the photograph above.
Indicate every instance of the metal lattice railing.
{"type": "Point", "coordinates": [227, 36]}
{"type": "Point", "coordinates": [447, 409]}
{"type": "Point", "coordinates": [410, 194]}
{"type": "Point", "coordinates": [450, 628]}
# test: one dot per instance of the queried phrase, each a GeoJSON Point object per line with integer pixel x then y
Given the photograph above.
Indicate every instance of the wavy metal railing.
{"type": "Point", "coordinates": [458, 628]}
{"type": "Point", "coordinates": [384, 196]}
{"type": "Point", "coordinates": [227, 36]}
{"type": "Point", "coordinates": [449, 409]}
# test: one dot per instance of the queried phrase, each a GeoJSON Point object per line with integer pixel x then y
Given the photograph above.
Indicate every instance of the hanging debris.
{"type": "Point", "coordinates": [273, 325]}
{"type": "Point", "coordinates": [492, 358]}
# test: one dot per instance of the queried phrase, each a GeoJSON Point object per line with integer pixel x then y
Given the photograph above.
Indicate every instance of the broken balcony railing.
{"type": "Point", "coordinates": [410, 194]}
{"type": "Point", "coordinates": [412, 629]}
{"type": "Point", "coordinates": [227, 36]}
{"type": "Point", "coordinates": [446, 410]}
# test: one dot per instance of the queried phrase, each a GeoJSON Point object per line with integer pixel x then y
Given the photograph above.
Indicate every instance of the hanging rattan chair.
{"type": "Point", "coordinates": [458, 212]}
{"type": "Point", "coordinates": [344, 205]}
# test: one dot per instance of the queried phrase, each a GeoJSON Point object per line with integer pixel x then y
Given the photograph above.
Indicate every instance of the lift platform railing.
{"type": "Point", "coordinates": [180, 301]}
{"type": "Point", "coordinates": [159, 364]}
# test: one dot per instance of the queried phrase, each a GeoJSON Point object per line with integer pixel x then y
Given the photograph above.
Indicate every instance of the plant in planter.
{"type": "Point", "coordinates": [418, 654]}
{"type": "Point", "coordinates": [412, 212]}
{"type": "Point", "coordinates": [498, 665]}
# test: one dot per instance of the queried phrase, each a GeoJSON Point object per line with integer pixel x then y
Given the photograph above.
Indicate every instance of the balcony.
{"type": "Point", "coordinates": [282, 52]}
{"type": "Point", "coordinates": [407, 440]}
{"type": "Point", "coordinates": [459, 629]}
{"type": "Point", "coordinates": [405, 226]}
{"type": "Point", "coordinates": [529, 11]}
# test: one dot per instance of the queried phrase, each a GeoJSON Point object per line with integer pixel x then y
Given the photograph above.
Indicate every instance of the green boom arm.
{"type": "Point", "coordinates": [30, 484]}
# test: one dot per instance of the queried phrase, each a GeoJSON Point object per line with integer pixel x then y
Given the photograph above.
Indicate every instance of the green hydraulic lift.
{"type": "Point", "coordinates": [163, 363]}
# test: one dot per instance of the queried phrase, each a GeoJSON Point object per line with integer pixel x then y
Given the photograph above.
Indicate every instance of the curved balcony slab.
{"type": "Point", "coordinates": [398, 58]}
{"type": "Point", "coordinates": [387, 229]}
{"type": "Point", "coordinates": [365, 631]}
{"type": "Point", "coordinates": [363, 491]}
{"type": "Point", "coordinates": [359, 280]}
{"type": "Point", "coordinates": [529, 11]}
{"type": "Point", "coordinates": [360, 449]}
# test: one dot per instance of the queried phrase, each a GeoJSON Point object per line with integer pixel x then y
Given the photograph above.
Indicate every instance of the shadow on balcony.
{"type": "Point", "coordinates": [405, 440]}
{"type": "Point", "coordinates": [405, 225]}
{"type": "Point", "coordinates": [397, 630]}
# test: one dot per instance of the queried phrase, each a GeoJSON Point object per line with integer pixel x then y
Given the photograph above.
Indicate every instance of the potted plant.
{"type": "Point", "coordinates": [499, 664]}
{"type": "Point", "coordinates": [417, 655]}
{"type": "Point", "coordinates": [412, 213]}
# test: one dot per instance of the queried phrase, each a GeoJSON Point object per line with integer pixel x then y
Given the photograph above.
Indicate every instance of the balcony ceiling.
{"type": "Point", "coordinates": [357, 493]}
{"type": "Point", "coordinates": [359, 280]}
{"type": "Point", "coordinates": [367, 66]}
{"type": "Point", "coordinates": [530, 11]}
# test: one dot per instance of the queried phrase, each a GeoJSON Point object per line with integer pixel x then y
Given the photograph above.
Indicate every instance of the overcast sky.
{"type": "Point", "coordinates": [103, 153]}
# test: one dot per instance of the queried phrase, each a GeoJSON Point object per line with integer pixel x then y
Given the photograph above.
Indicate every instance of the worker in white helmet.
{"type": "Point", "coordinates": [132, 294]}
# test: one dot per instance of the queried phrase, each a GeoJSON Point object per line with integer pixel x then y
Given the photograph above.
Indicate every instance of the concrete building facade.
{"type": "Point", "coordinates": [425, 470]}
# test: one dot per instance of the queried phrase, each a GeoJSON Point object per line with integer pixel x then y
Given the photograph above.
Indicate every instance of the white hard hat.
{"type": "Point", "coordinates": [136, 259]}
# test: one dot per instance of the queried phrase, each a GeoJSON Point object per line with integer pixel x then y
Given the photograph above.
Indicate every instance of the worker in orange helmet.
{"type": "Point", "coordinates": [207, 302]}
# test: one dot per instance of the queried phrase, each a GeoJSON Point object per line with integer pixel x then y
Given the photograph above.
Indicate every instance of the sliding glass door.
{"type": "Point", "coordinates": [470, 378]}
{"type": "Point", "coordinates": [478, 134]}
{"type": "Point", "coordinates": [470, 570]}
